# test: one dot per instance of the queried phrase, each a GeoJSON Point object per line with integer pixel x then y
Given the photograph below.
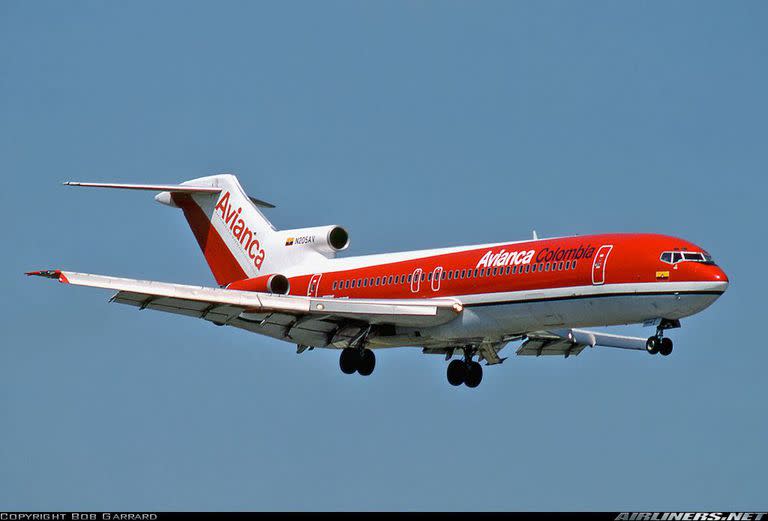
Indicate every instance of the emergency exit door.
{"type": "Point", "coordinates": [598, 265]}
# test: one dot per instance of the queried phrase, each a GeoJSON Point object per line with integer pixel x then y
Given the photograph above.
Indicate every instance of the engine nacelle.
{"type": "Point", "coordinates": [275, 283]}
{"type": "Point", "coordinates": [323, 239]}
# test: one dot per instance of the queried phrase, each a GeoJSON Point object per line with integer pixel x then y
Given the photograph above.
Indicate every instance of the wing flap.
{"type": "Point", "coordinates": [571, 342]}
{"type": "Point", "coordinates": [219, 313]}
{"type": "Point", "coordinates": [549, 347]}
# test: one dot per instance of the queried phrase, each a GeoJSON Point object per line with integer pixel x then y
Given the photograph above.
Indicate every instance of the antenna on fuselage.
{"type": "Point", "coordinates": [535, 236]}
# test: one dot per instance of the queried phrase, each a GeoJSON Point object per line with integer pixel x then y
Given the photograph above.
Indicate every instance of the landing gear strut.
{"type": "Point", "coordinates": [659, 343]}
{"type": "Point", "coordinates": [467, 371]}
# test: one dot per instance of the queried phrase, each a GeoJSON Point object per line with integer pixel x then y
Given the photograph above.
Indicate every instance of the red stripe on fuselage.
{"type": "Point", "coordinates": [633, 259]}
{"type": "Point", "coordinates": [223, 264]}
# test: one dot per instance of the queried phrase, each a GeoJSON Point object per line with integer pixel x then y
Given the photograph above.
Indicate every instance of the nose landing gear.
{"type": "Point", "coordinates": [659, 343]}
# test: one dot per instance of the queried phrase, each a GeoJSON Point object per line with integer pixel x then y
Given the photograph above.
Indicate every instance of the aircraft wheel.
{"type": "Point", "coordinates": [456, 372]}
{"type": "Point", "coordinates": [665, 348]}
{"type": "Point", "coordinates": [474, 374]}
{"type": "Point", "coordinates": [652, 345]}
{"type": "Point", "coordinates": [349, 360]}
{"type": "Point", "coordinates": [366, 362]}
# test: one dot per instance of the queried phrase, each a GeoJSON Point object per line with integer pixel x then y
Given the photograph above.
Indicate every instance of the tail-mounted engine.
{"type": "Point", "coordinates": [275, 283]}
{"type": "Point", "coordinates": [326, 240]}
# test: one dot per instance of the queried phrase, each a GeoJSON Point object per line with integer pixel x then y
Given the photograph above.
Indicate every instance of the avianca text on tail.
{"type": "Point", "coordinates": [240, 230]}
{"type": "Point", "coordinates": [465, 303]}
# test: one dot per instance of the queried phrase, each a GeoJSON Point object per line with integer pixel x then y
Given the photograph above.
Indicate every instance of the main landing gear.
{"type": "Point", "coordinates": [356, 359]}
{"type": "Point", "coordinates": [467, 371]}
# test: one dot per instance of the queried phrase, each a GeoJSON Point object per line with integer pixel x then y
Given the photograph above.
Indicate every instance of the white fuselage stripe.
{"type": "Point", "coordinates": [587, 291]}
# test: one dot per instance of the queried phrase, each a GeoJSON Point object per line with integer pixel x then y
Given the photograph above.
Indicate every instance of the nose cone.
{"type": "Point", "coordinates": [714, 275]}
{"type": "Point", "coordinates": [718, 275]}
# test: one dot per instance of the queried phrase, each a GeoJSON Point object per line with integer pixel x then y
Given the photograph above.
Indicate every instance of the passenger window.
{"type": "Point", "coordinates": [429, 277]}
{"type": "Point", "coordinates": [450, 275]}
{"type": "Point", "coordinates": [573, 265]}
{"type": "Point", "coordinates": [560, 266]}
{"type": "Point", "coordinates": [422, 277]}
{"type": "Point", "coordinates": [567, 265]}
{"type": "Point", "coordinates": [443, 276]}
{"type": "Point", "coordinates": [389, 280]}
{"type": "Point", "coordinates": [409, 278]}
{"type": "Point", "coordinates": [514, 270]}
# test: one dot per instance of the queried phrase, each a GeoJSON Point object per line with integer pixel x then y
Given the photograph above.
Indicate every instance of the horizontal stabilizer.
{"type": "Point", "coordinates": [155, 188]}
{"type": "Point", "coordinates": [178, 189]}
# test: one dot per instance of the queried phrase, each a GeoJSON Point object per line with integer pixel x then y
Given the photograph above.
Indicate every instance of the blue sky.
{"type": "Point", "coordinates": [414, 124]}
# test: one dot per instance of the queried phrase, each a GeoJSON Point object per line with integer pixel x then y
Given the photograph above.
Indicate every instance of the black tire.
{"type": "Point", "coordinates": [456, 371]}
{"type": "Point", "coordinates": [652, 345]}
{"type": "Point", "coordinates": [665, 348]}
{"type": "Point", "coordinates": [349, 360]}
{"type": "Point", "coordinates": [366, 363]}
{"type": "Point", "coordinates": [474, 375]}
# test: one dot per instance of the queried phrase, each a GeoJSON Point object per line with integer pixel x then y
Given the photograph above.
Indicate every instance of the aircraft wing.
{"type": "Point", "coordinates": [304, 320]}
{"type": "Point", "coordinates": [571, 342]}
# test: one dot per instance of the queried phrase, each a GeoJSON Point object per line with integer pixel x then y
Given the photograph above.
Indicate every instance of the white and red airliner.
{"type": "Point", "coordinates": [469, 300]}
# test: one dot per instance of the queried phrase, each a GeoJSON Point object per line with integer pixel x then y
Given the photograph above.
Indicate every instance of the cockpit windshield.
{"type": "Point", "coordinates": [673, 257]}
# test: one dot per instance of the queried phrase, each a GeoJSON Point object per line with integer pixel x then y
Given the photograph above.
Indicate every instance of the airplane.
{"type": "Point", "coordinates": [464, 303]}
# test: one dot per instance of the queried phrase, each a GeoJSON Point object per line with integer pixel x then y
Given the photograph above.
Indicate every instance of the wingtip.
{"type": "Point", "coordinates": [49, 274]}
{"type": "Point", "coordinates": [44, 273]}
